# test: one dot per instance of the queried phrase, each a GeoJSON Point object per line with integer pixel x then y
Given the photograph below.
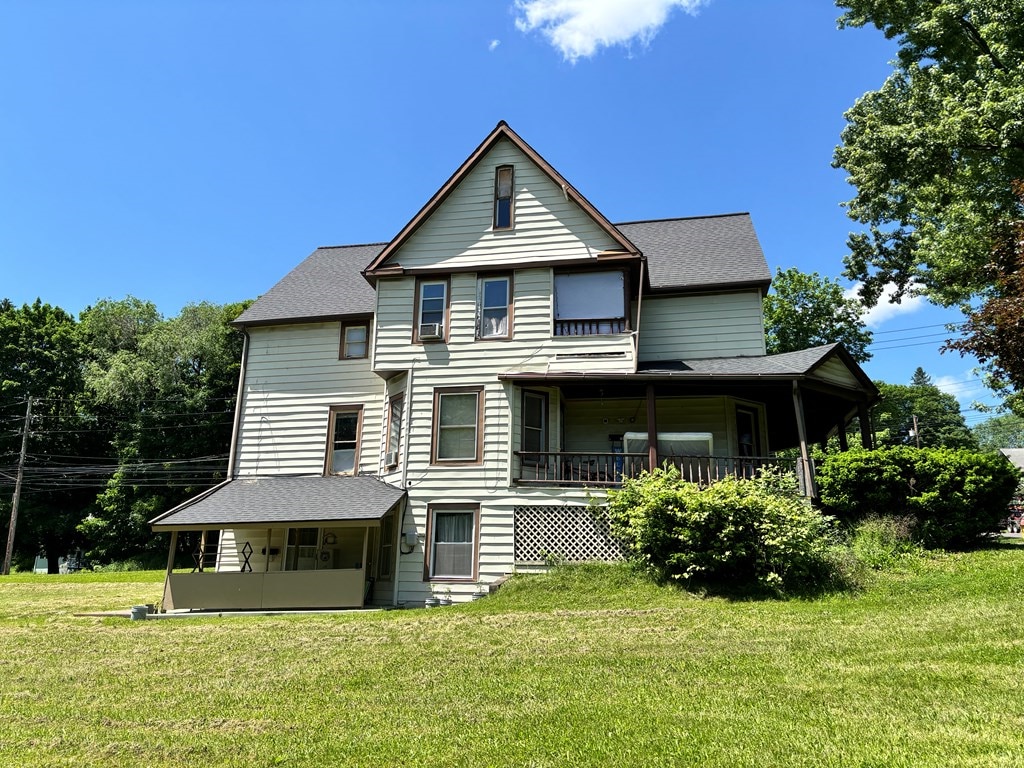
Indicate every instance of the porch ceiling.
{"type": "Point", "coordinates": [247, 502]}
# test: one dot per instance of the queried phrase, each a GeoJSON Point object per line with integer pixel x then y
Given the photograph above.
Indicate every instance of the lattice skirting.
{"type": "Point", "coordinates": [567, 532]}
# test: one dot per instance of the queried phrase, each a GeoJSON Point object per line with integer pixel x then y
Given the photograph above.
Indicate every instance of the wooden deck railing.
{"type": "Point", "coordinates": [566, 468]}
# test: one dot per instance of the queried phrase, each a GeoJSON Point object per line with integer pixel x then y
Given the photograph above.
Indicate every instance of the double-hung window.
{"type": "Point", "coordinates": [504, 188]}
{"type": "Point", "coordinates": [494, 316]}
{"type": "Point", "coordinates": [343, 440]}
{"type": "Point", "coordinates": [457, 418]}
{"type": "Point", "coordinates": [394, 442]}
{"type": "Point", "coordinates": [453, 538]}
{"type": "Point", "coordinates": [535, 417]}
{"type": "Point", "coordinates": [431, 310]}
{"type": "Point", "coordinates": [590, 303]}
{"type": "Point", "coordinates": [355, 339]}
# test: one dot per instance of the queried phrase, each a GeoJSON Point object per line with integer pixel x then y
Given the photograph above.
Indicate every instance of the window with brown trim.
{"type": "Point", "coordinates": [458, 432]}
{"type": "Point", "coordinates": [494, 315]}
{"type": "Point", "coordinates": [535, 427]}
{"type": "Point", "coordinates": [343, 440]}
{"type": "Point", "coordinates": [394, 439]}
{"type": "Point", "coordinates": [355, 339]}
{"type": "Point", "coordinates": [431, 320]}
{"type": "Point", "coordinates": [504, 187]}
{"type": "Point", "coordinates": [453, 533]}
{"type": "Point", "coordinates": [590, 303]}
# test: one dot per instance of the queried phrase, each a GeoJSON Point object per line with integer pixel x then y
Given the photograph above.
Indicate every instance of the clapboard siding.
{"type": "Point", "coordinates": [547, 226]}
{"type": "Point", "coordinates": [293, 377]}
{"type": "Point", "coordinates": [708, 325]}
{"type": "Point", "coordinates": [531, 348]}
{"type": "Point", "coordinates": [835, 372]}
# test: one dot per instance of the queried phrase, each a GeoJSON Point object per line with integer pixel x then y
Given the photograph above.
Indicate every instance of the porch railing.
{"type": "Point", "coordinates": [565, 468]}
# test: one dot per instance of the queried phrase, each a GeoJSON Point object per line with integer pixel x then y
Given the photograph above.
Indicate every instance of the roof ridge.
{"type": "Point", "coordinates": [683, 218]}
{"type": "Point", "coordinates": [348, 245]}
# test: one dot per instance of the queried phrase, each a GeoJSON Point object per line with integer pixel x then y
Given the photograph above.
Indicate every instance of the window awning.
{"type": "Point", "coordinates": [277, 501]}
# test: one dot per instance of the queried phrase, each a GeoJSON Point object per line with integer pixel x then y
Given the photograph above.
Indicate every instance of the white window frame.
{"type": "Point", "coordinates": [482, 331]}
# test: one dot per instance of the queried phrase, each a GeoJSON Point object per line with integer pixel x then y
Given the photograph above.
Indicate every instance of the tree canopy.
{"type": "Point", "coordinates": [919, 415]}
{"type": "Point", "coordinates": [807, 310]}
{"type": "Point", "coordinates": [131, 414]}
{"type": "Point", "coordinates": [933, 153]}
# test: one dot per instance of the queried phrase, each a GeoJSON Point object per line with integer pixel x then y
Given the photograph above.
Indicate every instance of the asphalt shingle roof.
{"type": "Point", "coordinates": [278, 500]}
{"type": "Point", "coordinates": [682, 254]}
{"type": "Point", "coordinates": [782, 364]}
{"type": "Point", "coordinates": [700, 252]}
{"type": "Point", "coordinates": [326, 284]}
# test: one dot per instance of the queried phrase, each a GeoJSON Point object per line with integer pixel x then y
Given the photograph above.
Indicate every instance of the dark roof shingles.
{"type": "Point", "coordinates": [701, 251]}
{"type": "Point", "coordinates": [328, 283]}
{"type": "Point", "coordinates": [270, 500]}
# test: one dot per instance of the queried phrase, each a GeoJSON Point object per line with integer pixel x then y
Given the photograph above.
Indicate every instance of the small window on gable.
{"type": "Point", "coordinates": [355, 339]}
{"type": "Point", "coordinates": [504, 178]}
{"type": "Point", "coordinates": [494, 315]}
{"type": "Point", "coordinates": [431, 310]}
{"type": "Point", "coordinates": [343, 441]}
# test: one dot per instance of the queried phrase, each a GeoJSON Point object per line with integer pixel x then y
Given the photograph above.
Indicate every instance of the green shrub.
{"type": "Point", "coordinates": [954, 496]}
{"type": "Point", "coordinates": [735, 532]}
{"type": "Point", "coordinates": [882, 542]}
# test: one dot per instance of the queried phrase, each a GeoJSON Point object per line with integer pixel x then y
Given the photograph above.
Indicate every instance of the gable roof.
{"type": "Point", "coordinates": [327, 284]}
{"type": "Point", "coordinates": [275, 500]}
{"type": "Point", "coordinates": [700, 252]}
{"type": "Point", "coordinates": [501, 131]}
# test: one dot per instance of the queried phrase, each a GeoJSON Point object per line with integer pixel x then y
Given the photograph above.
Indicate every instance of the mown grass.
{"type": "Point", "coordinates": [587, 666]}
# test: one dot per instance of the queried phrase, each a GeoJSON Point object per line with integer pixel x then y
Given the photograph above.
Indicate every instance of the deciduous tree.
{"type": "Point", "coordinates": [806, 310]}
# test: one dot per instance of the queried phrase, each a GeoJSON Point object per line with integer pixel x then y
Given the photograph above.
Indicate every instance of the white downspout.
{"type": "Point", "coordinates": [639, 304]}
{"type": "Point", "coordinates": [232, 460]}
{"type": "Point", "coordinates": [400, 528]}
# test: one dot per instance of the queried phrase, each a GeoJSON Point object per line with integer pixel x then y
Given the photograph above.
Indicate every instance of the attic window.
{"type": "Point", "coordinates": [503, 184]}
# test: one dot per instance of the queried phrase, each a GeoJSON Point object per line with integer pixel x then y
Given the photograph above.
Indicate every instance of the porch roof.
{"type": "Point", "coordinates": [251, 501]}
{"type": "Point", "coordinates": [785, 366]}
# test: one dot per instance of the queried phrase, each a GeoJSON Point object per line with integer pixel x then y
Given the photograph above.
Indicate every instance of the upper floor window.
{"type": "Point", "coordinates": [343, 440]}
{"type": "Point", "coordinates": [355, 339]}
{"type": "Point", "coordinates": [394, 442]}
{"type": "Point", "coordinates": [504, 177]}
{"type": "Point", "coordinates": [457, 424]}
{"type": "Point", "coordinates": [535, 420]}
{"type": "Point", "coordinates": [494, 315]}
{"type": "Point", "coordinates": [431, 310]}
{"type": "Point", "coordinates": [589, 303]}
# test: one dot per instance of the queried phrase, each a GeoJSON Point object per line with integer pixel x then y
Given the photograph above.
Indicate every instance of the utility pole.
{"type": "Point", "coordinates": [17, 490]}
{"type": "Point", "coordinates": [917, 432]}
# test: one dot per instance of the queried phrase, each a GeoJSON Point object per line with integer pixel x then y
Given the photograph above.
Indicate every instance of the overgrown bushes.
{"type": "Point", "coordinates": [736, 533]}
{"type": "Point", "coordinates": [953, 496]}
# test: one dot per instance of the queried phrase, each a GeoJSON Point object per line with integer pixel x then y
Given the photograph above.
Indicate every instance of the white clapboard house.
{"type": "Point", "coordinates": [432, 413]}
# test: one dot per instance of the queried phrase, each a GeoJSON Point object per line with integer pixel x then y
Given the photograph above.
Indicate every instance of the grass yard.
{"type": "Point", "coordinates": [586, 666]}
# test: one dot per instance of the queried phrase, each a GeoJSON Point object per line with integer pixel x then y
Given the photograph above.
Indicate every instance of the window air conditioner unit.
{"type": "Point", "coordinates": [391, 459]}
{"type": "Point", "coordinates": [431, 331]}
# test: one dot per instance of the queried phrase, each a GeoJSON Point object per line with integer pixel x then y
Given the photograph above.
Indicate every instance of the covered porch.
{"type": "Point", "coordinates": [285, 542]}
{"type": "Point", "coordinates": [710, 418]}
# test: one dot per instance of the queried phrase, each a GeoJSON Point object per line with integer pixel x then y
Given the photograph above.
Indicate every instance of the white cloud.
{"type": "Point", "coordinates": [579, 28]}
{"type": "Point", "coordinates": [493, 44]}
{"type": "Point", "coordinates": [884, 310]}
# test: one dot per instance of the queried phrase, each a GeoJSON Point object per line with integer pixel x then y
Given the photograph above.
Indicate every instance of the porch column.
{"type": "Point", "coordinates": [807, 473]}
{"type": "Point", "coordinates": [167, 603]}
{"type": "Point", "coordinates": [864, 417]}
{"type": "Point", "coordinates": [843, 445]}
{"type": "Point", "coordinates": [652, 428]}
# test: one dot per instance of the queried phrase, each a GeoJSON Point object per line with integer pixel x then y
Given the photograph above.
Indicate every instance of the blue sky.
{"type": "Point", "coordinates": [199, 149]}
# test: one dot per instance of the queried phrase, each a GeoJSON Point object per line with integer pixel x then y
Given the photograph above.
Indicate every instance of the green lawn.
{"type": "Point", "coordinates": [588, 666]}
